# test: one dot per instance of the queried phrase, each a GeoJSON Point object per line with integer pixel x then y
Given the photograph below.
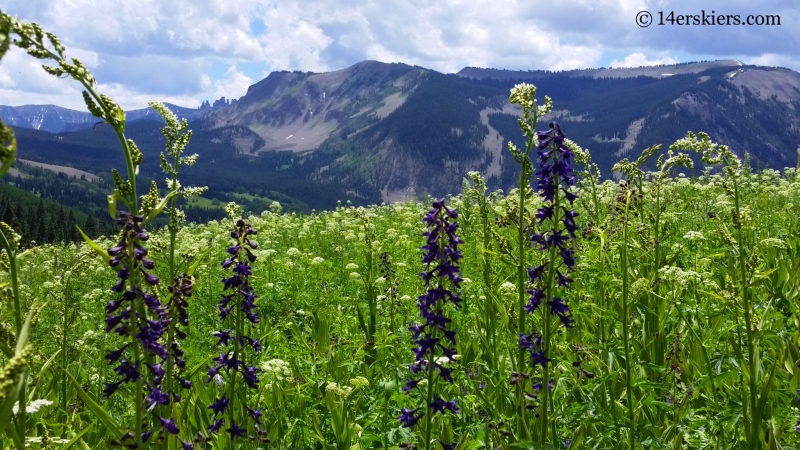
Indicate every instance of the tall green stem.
{"type": "Point", "coordinates": [752, 423]}
{"type": "Point", "coordinates": [547, 317]}
{"type": "Point", "coordinates": [23, 396]}
{"type": "Point", "coordinates": [624, 319]}
{"type": "Point", "coordinates": [232, 387]}
{"type": "Point", "coordinates": [522, 244]}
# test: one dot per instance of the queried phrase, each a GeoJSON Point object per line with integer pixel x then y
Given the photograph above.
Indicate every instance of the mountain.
{"type": "Point", "coordinates": [56, 119]}
{"type": "Point", "coordinates": [383, 132]}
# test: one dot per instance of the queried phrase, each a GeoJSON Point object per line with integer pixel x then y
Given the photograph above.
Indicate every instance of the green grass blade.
{"type": "Point", "coordinates": [77, 437]}
{"type": "Point", "coordinates": [109, 422]}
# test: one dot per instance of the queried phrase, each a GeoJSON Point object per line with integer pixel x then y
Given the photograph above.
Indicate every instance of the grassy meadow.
{"type": "Point", "coordinates": [314, 274]}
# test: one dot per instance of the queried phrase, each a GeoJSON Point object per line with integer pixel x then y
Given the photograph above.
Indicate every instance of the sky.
{"type": "Point", "coordinates": [187, 51]}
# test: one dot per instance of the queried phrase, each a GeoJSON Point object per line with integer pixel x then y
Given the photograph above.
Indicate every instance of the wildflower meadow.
{"type": "Point", "coordinates": [660, 311]}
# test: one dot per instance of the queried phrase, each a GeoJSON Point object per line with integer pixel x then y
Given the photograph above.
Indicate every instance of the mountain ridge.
{"type": "Point", "coordinates": [389, 132]}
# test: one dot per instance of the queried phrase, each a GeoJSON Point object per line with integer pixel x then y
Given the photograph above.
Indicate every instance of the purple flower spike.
{"type": "Point", "coordinates": [237, 312]}
{"type": "Point", "coordinates": [432, 336]}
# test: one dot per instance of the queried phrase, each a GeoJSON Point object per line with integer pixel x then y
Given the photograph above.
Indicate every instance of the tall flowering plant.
{"type": "Point", "coordinates": [434, 338]}
{"type": "Point", "coordinates": [237, 312]}
{"type": "Point", "coordinates": [135, 312]}
{"type": "Point", "coordinates": [555, 227]}
{"type": "Point", "coordinates": [139, 316]}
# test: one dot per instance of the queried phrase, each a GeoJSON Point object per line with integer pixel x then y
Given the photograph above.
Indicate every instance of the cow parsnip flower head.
{"type": "Point", "coordinates": [524, 94]}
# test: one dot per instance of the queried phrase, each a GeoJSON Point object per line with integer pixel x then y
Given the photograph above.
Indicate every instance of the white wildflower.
{"type": "Point", "coordinates": [32, 407]}
{"type": "Point", "coordinates": [508, 288]}
{"type": "Point", "coordinates": [773, 243]}
{"type": "Point", "coordinates": [359, 382]}
{"type": "Point", "coordinates": [277, 369]}
{"type": "Point", "coordinates": [693, 236]}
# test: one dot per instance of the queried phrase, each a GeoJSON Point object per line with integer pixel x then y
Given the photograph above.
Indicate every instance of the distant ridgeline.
{"type": "Point", "coordinates": [385, 132]}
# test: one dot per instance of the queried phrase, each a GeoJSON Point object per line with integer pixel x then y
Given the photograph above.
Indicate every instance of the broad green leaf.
{"type": "Point", "coordinates": [578, 437]}
{"type": "Point", "coordinates": [100, 251]}
{"type": "Point", "coordinates": [112, 206]}
{"type": "Point", "coordinates": [160, 207]}
{"type": "Point", "coordinates": [200, 258]}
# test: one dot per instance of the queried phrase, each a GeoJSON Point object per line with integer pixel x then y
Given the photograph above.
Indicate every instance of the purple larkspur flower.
{"type": "Point", "coordinates": [169, 425]}
{"type": "Point", "coordinates": [558, 225]}
{"type": "Point", "coordinates": [143, 356]}
{"type": "Point", "coordinates": [237, 311]}
{"type": "Point", "coordinates": [408, 417]}
{"type": "Point", "coordinates": [433, 336]}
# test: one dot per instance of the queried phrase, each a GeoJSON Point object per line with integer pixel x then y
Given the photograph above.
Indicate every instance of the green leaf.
{"type": "Point", "coordinates": [762, 400]}
{"type": "Point", "coordinates": [160, 207]}
{"type": "Point", "coordinates": [78, 437]}
{"type": "Point", "coordinates": [22, 339]}
{"type": "Point", "coordinates": [578, 437]}
{"type": "Point", "coordinates": [100, 251]}
{"type": "Point", "coordinates": [11, 431]}
{"type": "Point", "coordinates": [197, 368]}
{"type": "Point", "coordinates": [121, 118]}
{"type": "Point", "coordinates": [109, 422]}
{"type": "Point", "coordinates": [46, 365]}
{"type": "Point", "coordinates": [200, 258]}
{"type": "Point", "coordinates": [8, 159]}
{"type": "Point", "coordinates": [112, 206]}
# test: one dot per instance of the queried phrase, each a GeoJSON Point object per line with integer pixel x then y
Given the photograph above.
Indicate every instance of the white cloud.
{"type": "Point", "coordinates": [162, 49]}
{"type": "Point", "coordinates": [771, 59]}
{"type": "Point", "coordinates": [640, 60]}
{"type": "Point", "coordinates": [233, 85]}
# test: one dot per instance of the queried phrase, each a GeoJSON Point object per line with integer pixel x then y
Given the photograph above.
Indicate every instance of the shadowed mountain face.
{"type": "Point", "coordinates": [384, 132]}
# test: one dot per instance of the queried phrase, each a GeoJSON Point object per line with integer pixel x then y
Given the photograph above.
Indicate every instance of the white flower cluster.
{"type": "Point", "coordinates": [694, 236]}
{"type": "Point", "coordinates": [773, 243]}
{"type": "Point", "coordinates": [359, 382]}
{"type": "Point", "coordinates": [338, 390]}
{"type": "Point", "coordinates": [678, 275]}
{"type": "Point", "coordinates": [38, 440]}
{"type": "Point", "coordinates": [445, 361]}
{"type": "Point", "coordinates": [277, 369]}
{"type": "Point", "coordinates": [508, 288]}
{"type": "Point", "coordinates": [32, 407]}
